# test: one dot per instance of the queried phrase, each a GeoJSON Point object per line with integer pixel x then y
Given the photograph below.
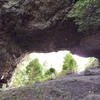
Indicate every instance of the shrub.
{"type": "Point", "coordinates": [34, 71]}
{"type": "Point", "coordinates": [86, 14]}
{"type": "Point", "coordinates": [50, 71]}
{"type": "Point", "coordinates": [69, 64]}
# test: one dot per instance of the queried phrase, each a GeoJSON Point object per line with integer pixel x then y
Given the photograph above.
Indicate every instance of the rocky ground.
{"type": "Point", "coordinates": [69, 87]}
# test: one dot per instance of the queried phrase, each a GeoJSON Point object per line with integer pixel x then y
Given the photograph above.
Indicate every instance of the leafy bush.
{"type": "Point", "coordinates": [92, 63]}
{"type": "Point", "coordinates": [69, 64]}
{"type": "Point", "coordinates": [34, 71]}
{"type": "Point", "coordinates": [20, 77]}
{"type": "Point", "coordinates": [86, 14]}
{"type": "Point", "coordinates": [31, 73]}
{"type": "Point", "coordinates": [50, 71]}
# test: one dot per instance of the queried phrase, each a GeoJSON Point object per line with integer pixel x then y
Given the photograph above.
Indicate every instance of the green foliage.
{"type": "Point", "coordinates": [50, 71]}
{"type": "Point", "coordinates": [20, 77]}
{"type": "Point", "coordinates": [92, 63]}
{"type": "Point", "coordinates": [34, 71]}
{"type": "Point", "coordinates": [86, 14]}
{"type": "Point", "coordinates": [69, 64]}
{"type": "Point", "coordinates": [31, 71]}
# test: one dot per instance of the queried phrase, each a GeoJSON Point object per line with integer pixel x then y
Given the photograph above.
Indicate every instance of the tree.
{"type": "Point", "coordinates": [69, 64]}
{"type": "Point", "coordinates": [50, 71]}
{"type": "Point", "coordinates": [50, 74]}
{"type": "Point", "coordinates": [20, 77]}
{"type": "Point", "coordinates": [34, 71]}
{"type": "Point", "coordinates": [86, 14]}
{"type": "Point", "coordinates": [92, 63]}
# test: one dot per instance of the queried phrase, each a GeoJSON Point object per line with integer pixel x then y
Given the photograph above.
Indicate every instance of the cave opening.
{"type": "Point", "coordinates": [49, 60]}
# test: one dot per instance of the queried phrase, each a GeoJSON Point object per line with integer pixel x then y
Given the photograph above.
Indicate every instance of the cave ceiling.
{"type": "Point", "coordinates": [41, 26]}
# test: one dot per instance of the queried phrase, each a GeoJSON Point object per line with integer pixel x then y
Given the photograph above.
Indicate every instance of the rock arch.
{"type": "Point", "coordinates": [40, 26]}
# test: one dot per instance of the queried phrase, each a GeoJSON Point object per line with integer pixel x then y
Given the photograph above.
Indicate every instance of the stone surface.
{"type": "Point", "coordinates": [40, 26]}
{"type": "Point", "coordinates": [89, 72]}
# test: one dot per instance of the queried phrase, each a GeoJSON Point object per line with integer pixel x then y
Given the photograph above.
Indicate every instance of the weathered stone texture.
{"type": "Point", "coordinates": [40, 26]}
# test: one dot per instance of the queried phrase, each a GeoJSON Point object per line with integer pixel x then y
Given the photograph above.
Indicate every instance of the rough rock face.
{"type": "Point", "coordinates": [40, 26]}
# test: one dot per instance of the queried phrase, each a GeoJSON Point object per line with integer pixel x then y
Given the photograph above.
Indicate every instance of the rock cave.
{"type": "Point", "coordinates": [41, 26]}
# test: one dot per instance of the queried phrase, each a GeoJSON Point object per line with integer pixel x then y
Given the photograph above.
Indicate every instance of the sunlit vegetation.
{"type": "Point", "coordinates": [50, 71]}
{"type": "Point", "coordinates": [92, 63]}
{"type": "Point", "coordinates": [31, 70]}
{"type": "Point", "coordinates": [20, 77]}
{"type": "Point", "coordinates": [86, 14]}
{"type": "Point", "coordinates": [69, 64]}
{"type": "Point", "coordinates": [34, 71]}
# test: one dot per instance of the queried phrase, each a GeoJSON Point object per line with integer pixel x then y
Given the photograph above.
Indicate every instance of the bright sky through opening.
{"type": "Point", "coordinates": [55, 59]}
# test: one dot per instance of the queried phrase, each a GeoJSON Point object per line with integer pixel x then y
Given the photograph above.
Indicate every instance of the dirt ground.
{"type": "Point", "coordinates": [69, 87]}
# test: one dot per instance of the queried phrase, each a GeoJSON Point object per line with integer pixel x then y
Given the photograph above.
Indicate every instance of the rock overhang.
{"type": "Point", "coordinates": [40, 26]}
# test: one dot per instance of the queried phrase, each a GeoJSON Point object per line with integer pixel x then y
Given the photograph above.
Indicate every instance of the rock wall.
{"type": "Point", "coordinates": [40, 26]}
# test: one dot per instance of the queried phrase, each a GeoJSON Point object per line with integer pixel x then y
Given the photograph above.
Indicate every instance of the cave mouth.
{"type": "Point", "coordinates": [53, 59]}
{"type": "Point", "coordinates": [49, 29]}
